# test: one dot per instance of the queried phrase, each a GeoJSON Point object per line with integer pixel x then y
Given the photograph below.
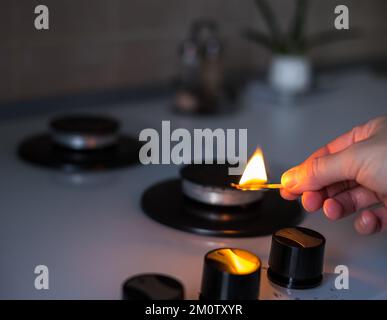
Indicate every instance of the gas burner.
{"type": "Point", "coordinates": [81, 143]}
{"type": "Point", "coordinates": [203, 202]}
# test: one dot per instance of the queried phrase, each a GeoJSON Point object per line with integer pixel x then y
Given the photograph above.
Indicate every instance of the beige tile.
{"type": "Point", "coordinates": [147, 61]}
{"type": "Point", "coordinates": [58, 70]}
{"type": "Point", "coordinates": [115, 43]}
{"type": "Point", "coordinates": [69, 19]}
{"type": "Point", "coordinates": [231, 15]}
{"type": "Point", "coordinates": [7, 9]}
{"type": "Point", "coordinates": [7, 76]}
{"type": "Point", "coordinates": [154, 15]}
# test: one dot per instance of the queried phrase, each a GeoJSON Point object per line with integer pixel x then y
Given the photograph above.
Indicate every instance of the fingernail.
{"type": "Point", "coordinates": [364, 220]}
{"type": "Point", "coordinates": [362, 223]}
{"type": "Point", "coordinates": [333, 209]}
{"type": "Point", "coordinates": [289, 179]}
{"type": "Point", "coordinates": [327, 208]}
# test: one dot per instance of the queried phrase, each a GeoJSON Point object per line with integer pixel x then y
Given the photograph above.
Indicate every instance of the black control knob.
{"type": "Point", "coordinates": [296, 258]}
{"type": "Point", "coordinates": [152, 287]}
{"type": "Point", "coordinates": [230, 274]}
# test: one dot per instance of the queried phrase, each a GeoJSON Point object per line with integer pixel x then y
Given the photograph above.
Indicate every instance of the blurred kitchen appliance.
{"type": "Point", "coordinates": [200, 84]}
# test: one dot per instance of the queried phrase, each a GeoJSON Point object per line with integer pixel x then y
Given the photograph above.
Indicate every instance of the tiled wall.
{"type": "Point", "coordinates": [104, 44]}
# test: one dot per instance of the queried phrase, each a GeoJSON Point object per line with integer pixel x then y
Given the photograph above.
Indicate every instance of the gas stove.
{"type": "Point", "coordinates": [95, 229]}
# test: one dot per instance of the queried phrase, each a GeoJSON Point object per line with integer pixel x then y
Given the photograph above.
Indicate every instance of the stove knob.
{"type": "Point", "coordinates": [296, 258]}
{"type": "Point", "coordinates": [230, 274]}
{"type": "Point", "coordinates": [152, 287]}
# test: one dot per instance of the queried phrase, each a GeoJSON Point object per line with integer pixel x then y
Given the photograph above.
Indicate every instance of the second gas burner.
{"type": "Point", "coordinates": [81, 143]}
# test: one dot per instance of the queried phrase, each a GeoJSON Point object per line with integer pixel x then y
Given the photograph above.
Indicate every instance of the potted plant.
{"type": "Point", "coordinates": [290, 71]}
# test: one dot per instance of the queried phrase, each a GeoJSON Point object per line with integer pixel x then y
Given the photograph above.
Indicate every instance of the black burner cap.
{"type": "Point", "coordinates": [152, 287]}
{"type": "Point", "coordinates": [296, 258]}
{"type": "Point", "coordinates": [214, 175]}
{"type": "Point", "coordinates": [85, 124]}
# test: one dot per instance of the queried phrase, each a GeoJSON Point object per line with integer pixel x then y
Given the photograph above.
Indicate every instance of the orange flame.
{"type": "Point", "coordinates": [255, 171]}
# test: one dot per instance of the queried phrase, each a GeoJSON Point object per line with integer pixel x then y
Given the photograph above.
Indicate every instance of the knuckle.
{"type": "Point", "coordinates": [353, 162]}
{"type": "Point", "coordinates": [352, 152]}
{"type": "Point", "coordinates": [381, 119]}
{"type": "Point", "coordinates": [354, 201]}
{"type": "Point", "coordinates": [358, 133]}
{"type": "Point", "coordinates": [313, 168]}
{"type": "Point", "coordinates": [377, 123]}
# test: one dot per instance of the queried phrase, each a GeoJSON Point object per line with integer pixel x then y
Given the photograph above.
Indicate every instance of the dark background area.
{"type": "Point", "coordinates": [113, 44]}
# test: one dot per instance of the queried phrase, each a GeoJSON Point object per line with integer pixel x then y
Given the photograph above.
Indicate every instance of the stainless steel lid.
{"type": "Point", "coordinates": [84, 132]}
{"type": "Point", "coordinates": [219, 196]}
{"type": "Point", "coordinates": [210, 184]}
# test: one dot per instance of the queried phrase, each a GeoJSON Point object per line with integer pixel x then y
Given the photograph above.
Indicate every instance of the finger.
{"type": "Point", "coordinates": [333, 209]}
{"type": "Point", "coordinates": [381, 213]}
{"type": "Point", "coordinates": [367, 223]}
{"type": "Point", "coordinates": [339, 187]}
{"type": "Point", "coordinates": [314, 200]}
{"type": "Point", "coordinates": [287, 195]}
{"type": "Point", "coordinates": [349, 201]}
{"type": "Point", "coordinates": [357, 134]}
{"type": "Point", "coordinates": [338, 145]}
{"type": "Point", "coordinates": [318, 173]}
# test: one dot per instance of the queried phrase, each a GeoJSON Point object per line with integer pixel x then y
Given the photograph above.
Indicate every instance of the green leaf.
{"type": "Point", "coordinates": [297, 29]}
{"type": "Point", "coordinates": [270, 19]}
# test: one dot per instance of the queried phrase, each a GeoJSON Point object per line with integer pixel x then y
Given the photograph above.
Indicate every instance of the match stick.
{"type": "Point", "coordinates": [254, 187]}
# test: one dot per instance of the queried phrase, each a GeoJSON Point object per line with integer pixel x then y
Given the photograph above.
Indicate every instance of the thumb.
{"type": "Point", "coordinates": [319, 172]}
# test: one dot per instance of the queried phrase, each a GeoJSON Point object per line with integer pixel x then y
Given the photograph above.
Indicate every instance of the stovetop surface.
{"type": "Point", "coordinates": [90, 231]}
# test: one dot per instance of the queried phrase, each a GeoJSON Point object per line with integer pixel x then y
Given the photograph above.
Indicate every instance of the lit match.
{"type": "Point", "coordinates": [254, 187]}
{"type": "Point", "coordinates": [254, 176]}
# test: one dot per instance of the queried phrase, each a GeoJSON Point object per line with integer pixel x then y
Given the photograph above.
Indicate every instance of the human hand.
{"type": "Point", "coordinates": [347, 175]}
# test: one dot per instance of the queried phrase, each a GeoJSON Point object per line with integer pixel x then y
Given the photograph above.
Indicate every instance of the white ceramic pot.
{"type": "Point", "coordinates": [290, 74]}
